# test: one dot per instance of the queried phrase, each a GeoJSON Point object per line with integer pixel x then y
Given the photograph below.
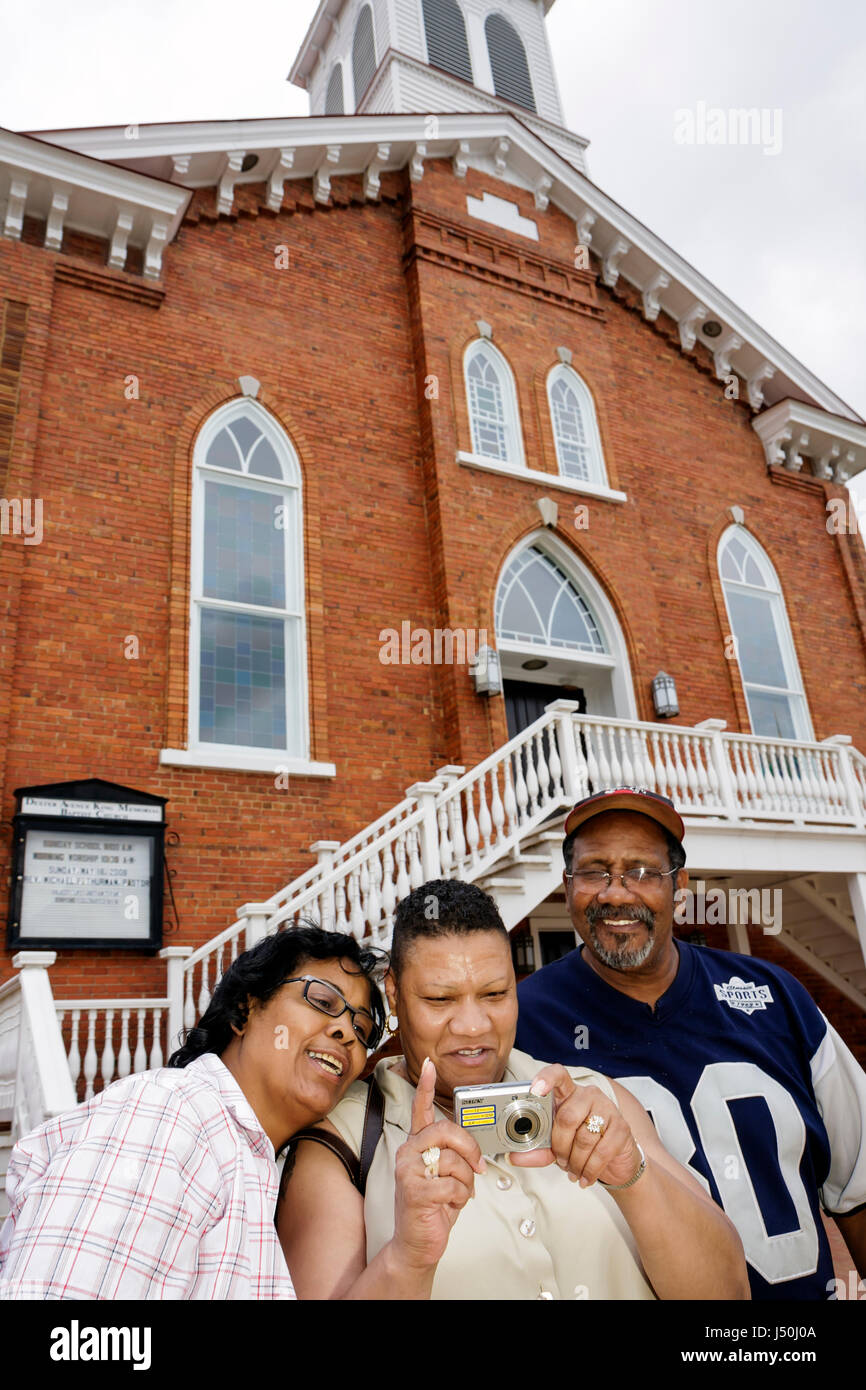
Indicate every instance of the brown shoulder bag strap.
{"type": "Point", "coordinates": [374, 1123]}
{"type": "Point", "coordinates": [333, 1142]}
{"type": "Point", "coordinates": [357, 1168]}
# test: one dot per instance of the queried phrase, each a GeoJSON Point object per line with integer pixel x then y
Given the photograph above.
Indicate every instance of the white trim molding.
{"type": "Point", "coordinates": [534, 475]}
{"type": "Point", "coordinates": [537, 150]}
{"type": "Point", "coordinates": [790, 428]}
{"type": "Point", "coordinates": [77, 192]}
{"type": "Point", "coordinates": [240, 761]}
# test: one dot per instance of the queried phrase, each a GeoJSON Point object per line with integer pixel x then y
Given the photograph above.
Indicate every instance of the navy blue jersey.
{"type": "Point", "coordinates": [748, 1086]}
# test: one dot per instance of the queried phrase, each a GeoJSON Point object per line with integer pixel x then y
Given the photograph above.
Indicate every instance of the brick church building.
{"type": "Point", "coordinates": [373, 484]}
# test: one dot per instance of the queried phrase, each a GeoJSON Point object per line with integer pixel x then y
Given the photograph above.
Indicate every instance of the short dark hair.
{"type": "Point", "coordinates": [261, 971]}
{"type": "Point", "coordinates": [676, 852]}
{"type": "Point", "coordinates": [442, 907]}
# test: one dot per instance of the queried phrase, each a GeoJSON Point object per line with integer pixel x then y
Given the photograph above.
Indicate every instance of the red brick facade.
{"type": "Point", "coordinates": [377, 298]}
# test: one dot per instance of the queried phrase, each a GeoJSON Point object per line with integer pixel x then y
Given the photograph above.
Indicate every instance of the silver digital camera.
{"type": "Point", "coordinates": [504, 1117]}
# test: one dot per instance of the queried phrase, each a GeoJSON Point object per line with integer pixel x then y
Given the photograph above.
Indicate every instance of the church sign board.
{"type": "Point", "coordinates": [87, 867]}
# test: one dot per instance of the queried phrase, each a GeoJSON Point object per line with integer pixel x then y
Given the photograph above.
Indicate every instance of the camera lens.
{"type": "Point", "coordinates": [522, 1124]}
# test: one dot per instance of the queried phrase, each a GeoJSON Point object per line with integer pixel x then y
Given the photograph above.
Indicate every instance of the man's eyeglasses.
{"type": "Point", "coordinates": [328, 1000]}
{"type": "Point", "coordinates": [641, 877]}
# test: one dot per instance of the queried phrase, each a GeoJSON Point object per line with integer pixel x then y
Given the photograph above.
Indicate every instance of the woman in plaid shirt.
{"type": "Point", "coordinates": [165, 1184]}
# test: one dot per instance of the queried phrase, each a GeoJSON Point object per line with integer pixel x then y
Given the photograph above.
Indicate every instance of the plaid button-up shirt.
{"type": "Point", "coordinates": [163, 1186]}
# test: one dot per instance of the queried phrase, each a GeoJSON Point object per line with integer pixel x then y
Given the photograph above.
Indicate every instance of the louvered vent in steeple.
{"type": "Point", "coordinates": [334, 104]}
{"type": "Point", "coordinates": [363, 53]}
{"type": "Point", "coordinates": [511, 78]}
{"type": "Point", "coordinates": [447, 46]}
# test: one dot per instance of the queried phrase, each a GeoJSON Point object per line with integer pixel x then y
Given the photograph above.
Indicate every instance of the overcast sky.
{"type": "Point", "coordinates": [783, 234]}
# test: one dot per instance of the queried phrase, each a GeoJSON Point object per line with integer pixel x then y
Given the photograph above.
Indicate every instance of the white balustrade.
{"type": "Point", "coordinates": [34, 1082]}
{"type": "Point", "coordinates": [107, 1022]}
{"type": "Point", "coordinates": [463, 823]}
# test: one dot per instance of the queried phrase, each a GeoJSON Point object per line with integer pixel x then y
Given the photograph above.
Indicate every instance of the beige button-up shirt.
{"type": "Point", "coordinates": [528, 1232]}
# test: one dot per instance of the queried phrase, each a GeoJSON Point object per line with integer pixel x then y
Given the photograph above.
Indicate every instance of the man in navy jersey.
{"type": "Point", "coordinates": [747, 1082]}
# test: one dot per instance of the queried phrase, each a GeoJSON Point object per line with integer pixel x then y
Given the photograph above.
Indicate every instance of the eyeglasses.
{"type": "Point", "coordinates": [328, 1000]}
{"type": "Point", "coordinates": [640, 877]}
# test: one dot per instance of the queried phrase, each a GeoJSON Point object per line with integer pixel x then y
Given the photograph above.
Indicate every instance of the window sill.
{"type": "Point", "coordinates": [243, 761]}
{"type": "Point", "coordinates": [534, 475]}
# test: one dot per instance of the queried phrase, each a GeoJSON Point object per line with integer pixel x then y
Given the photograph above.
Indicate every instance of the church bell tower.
{"type": "Point", "coordinates": [365, 57]}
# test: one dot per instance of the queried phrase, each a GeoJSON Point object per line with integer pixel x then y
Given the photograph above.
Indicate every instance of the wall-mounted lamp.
{"type": "Point", "coordinates": [665, 696]}
{"type": "Point", "coordinates": [486, 673]}
{"type": "Point", "coordinates": [523, 952]}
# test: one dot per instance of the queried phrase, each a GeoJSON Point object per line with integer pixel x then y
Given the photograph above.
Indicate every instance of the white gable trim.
{"type": "Point", "coordinates": [348, 143]}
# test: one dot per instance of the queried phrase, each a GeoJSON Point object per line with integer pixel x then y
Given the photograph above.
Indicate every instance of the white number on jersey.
{"type": "Point", "coordinates": [776, 1258]}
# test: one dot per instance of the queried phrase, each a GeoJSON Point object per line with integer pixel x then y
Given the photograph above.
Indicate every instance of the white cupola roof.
{"type": "Point", "coordinates": [434, 56]}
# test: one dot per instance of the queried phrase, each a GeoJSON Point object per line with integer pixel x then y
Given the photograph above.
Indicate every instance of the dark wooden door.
{"type": "Point", "coordinates": [525, 702]}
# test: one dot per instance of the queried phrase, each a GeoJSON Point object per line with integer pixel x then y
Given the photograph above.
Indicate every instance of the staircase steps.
{"type": "Point", "coordinates": [502, 884]}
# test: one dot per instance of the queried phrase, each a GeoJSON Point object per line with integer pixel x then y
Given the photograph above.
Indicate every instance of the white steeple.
{"type": "Point", "coordinates": [429, 56]}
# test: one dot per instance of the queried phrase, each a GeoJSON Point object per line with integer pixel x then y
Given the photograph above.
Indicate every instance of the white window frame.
{"type": "Point", "coordinates": [586, 404]}
{"type": "Point", "coordinates": [795, 690]}
{"type": "Point", "coordinates": [250, 757]}
{"type": "Point", "coordinates": [516, 459]}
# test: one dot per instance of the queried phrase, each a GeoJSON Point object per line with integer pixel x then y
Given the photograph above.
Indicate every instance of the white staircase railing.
{"type": "Point", "coordinates": [34, 1078]}
{"type": "Point", "coordinates": [460, 824]}
{"type": "Point", "coordinates": [119, 1036]}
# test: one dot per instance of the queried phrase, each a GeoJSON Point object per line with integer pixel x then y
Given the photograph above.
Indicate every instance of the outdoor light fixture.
{"type": "Point", "coordinates": [712, 328]}
{"type": "Point", "coordinates": [486, 673]}
{"type": "Point", "coordinates": [523, 953]}
{"type": "Point", "coordinates": [535, 664]}
{"type": "Point", "coordinates": [665, 696]}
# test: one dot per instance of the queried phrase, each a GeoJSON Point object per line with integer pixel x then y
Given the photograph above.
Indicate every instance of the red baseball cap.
{"type": "Point", "coordinates": [647, 803]}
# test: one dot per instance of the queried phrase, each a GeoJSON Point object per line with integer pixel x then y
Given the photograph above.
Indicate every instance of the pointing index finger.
{"type": "Point", "coordinates": [422, 1104]}
{"type": "Point", "coordinates": [556, 1079]}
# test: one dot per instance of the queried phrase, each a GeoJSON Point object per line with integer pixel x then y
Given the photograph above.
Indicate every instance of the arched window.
{"type": "Point", "coordinates": [575, 428]}
{"type": "Point", "coordinates": [558, 635]}
{"type": "Point", "coordinates": [447, 46]}
{"type": "Point", "coordinates": [334, 103]}
{"type": "Point", "coordinates": [764, 646]}
{"type": "Point", "coordinates": [363, 53]}
{"type": "Point", "coordinates": [247, 642]}
{"type": "Point", "coordinates": [537, 602]}
{"type": "Point", "coordinates": [511, 79]}
{"type": "Point", "coordinates": [493, 413]}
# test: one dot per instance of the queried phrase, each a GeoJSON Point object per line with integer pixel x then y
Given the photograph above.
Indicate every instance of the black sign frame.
{"type": "Point", "coordinates": [92, 790]}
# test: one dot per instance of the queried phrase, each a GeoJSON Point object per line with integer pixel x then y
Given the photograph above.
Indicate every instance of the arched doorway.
{"type": "Point", "coordinates": [557, 636]}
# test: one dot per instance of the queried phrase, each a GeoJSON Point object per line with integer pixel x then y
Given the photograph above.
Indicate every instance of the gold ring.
{"type": "Point", "coordinates": [430, 1158]}
{"type": "Point", "coordinates": [595, 1124]}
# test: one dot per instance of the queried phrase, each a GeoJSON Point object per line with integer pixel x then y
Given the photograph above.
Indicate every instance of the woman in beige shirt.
{"type": "Point", "coordinates": [604, 1213]}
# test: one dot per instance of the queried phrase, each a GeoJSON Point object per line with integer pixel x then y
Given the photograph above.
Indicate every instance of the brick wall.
{"type": "Point", "coordinates": [343, 341]}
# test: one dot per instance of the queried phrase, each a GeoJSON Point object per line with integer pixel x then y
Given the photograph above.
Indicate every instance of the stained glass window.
{"type": "Point", "coordinates": [247, 590]}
